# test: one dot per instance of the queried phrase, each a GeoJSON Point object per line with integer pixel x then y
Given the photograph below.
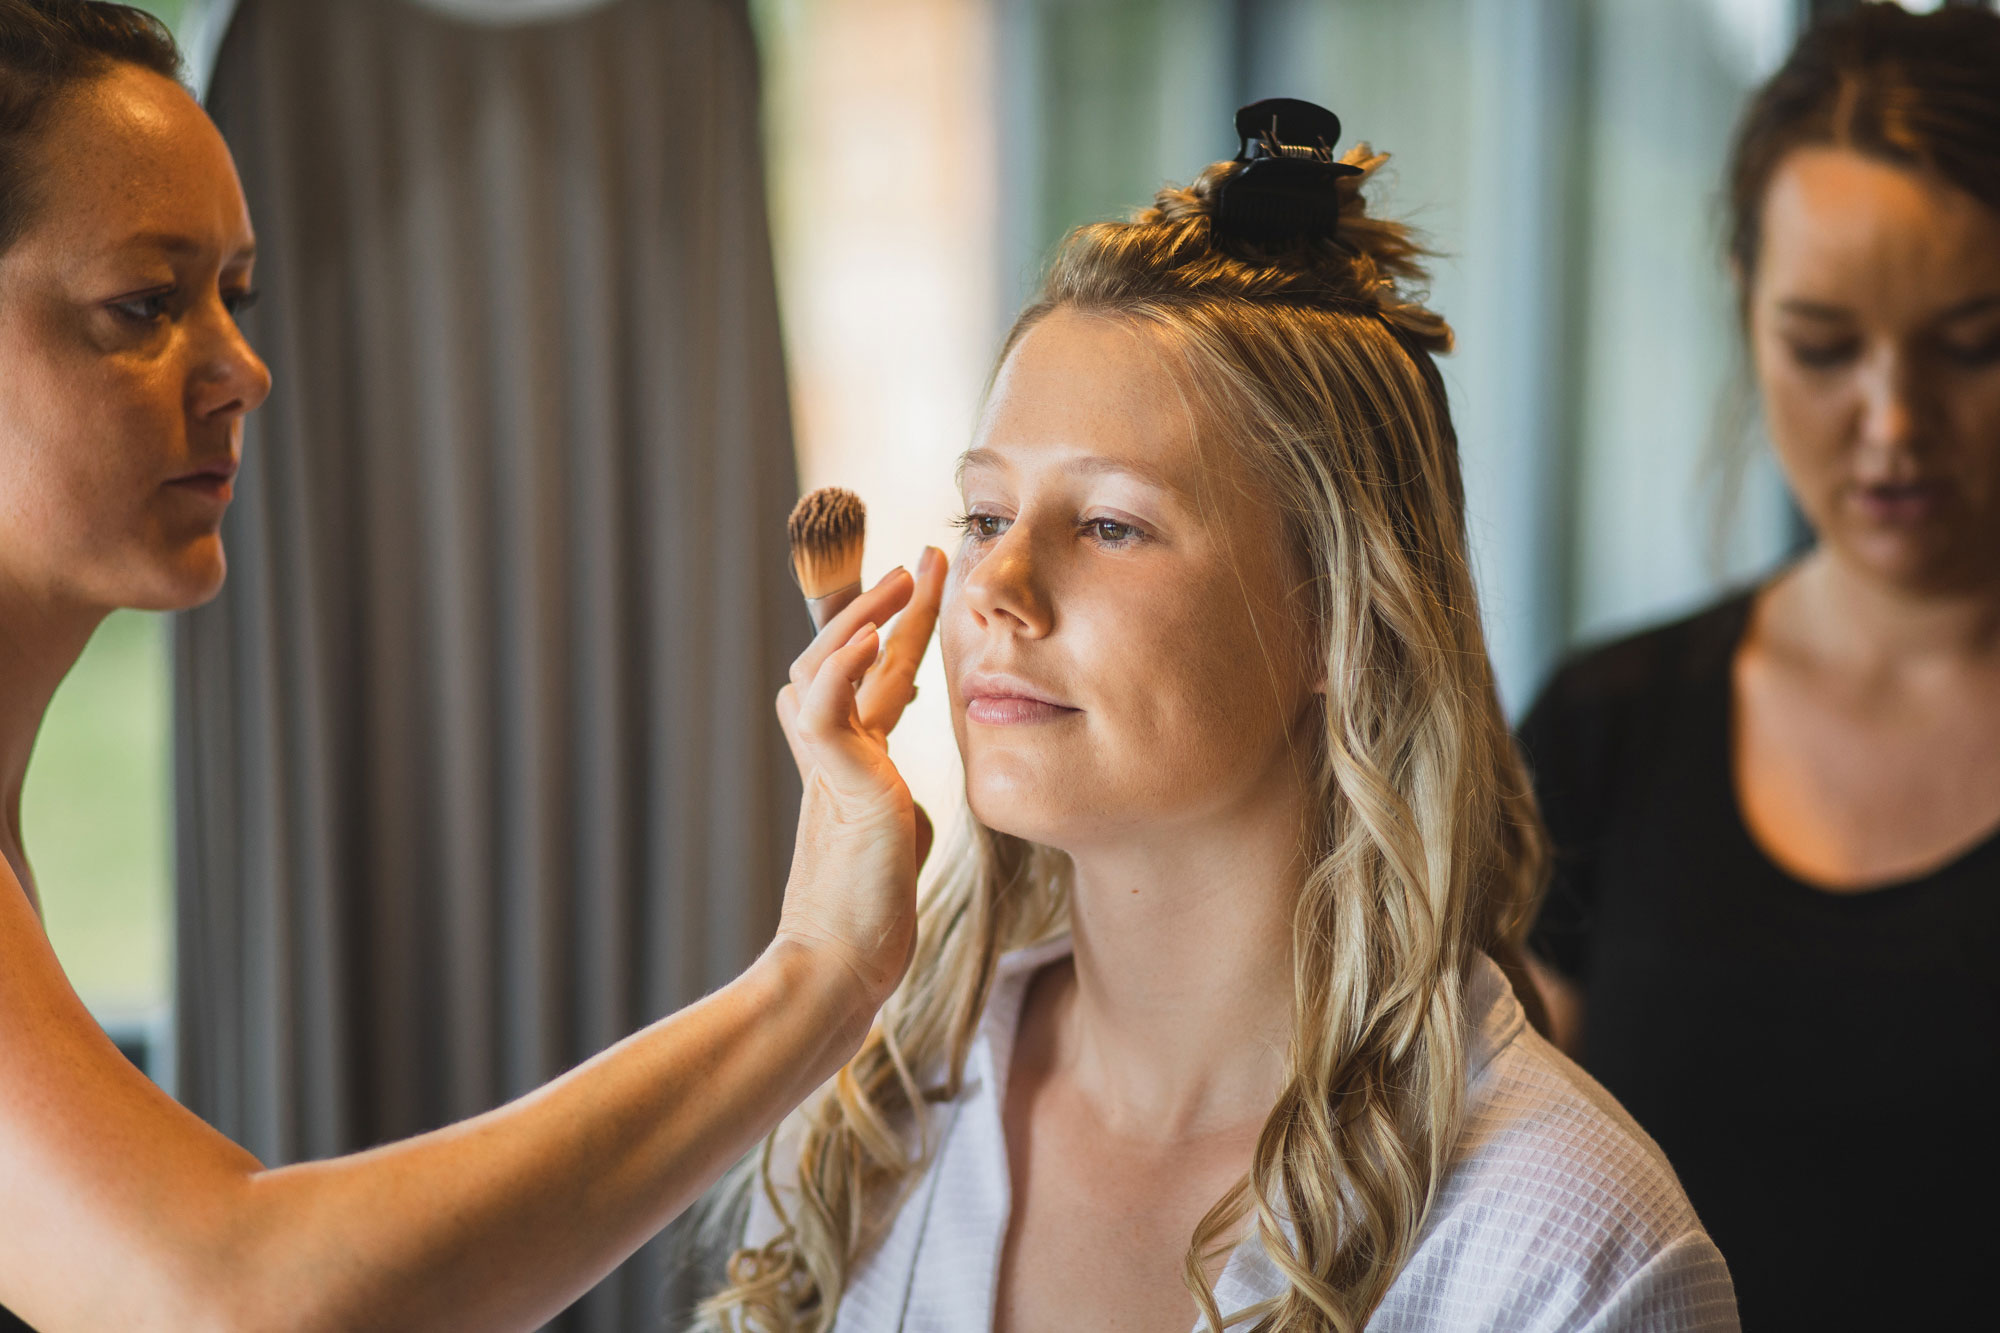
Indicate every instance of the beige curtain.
{"type": "Point", "coordinates": [477, 770]}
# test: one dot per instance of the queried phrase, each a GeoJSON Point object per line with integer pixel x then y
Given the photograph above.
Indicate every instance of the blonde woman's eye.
{"type": "Point", "coordinates": [980, 527]}
{"type": "Point", "coordinates": [1110, 532]}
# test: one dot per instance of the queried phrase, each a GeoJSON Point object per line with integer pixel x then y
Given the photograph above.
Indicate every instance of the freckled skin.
{"type": "Point", "coordinates": [99, 411]}
{"type": "Point", "coordinates": [1177, 644]}
{"type": "Point", "coordinates": [1144, 1069]}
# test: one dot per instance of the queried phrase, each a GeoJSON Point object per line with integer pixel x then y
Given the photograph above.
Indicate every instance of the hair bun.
{"type": "Point", "coordinates": [1362, 261]}
{"type": "Point", "coordinates": [1287, 183]}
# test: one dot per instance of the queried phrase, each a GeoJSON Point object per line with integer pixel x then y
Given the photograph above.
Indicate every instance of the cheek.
{"type": "Point", "coordinates": [85, 442]}
{"type": "Point", "coordinates": [1977, 423]}
{"type": "Point", "coordinates": [1809, 417]}
{"type": "Point", "coordinates": [1191, 707]}
{"type": "Point", "coordinates": [957, 634]}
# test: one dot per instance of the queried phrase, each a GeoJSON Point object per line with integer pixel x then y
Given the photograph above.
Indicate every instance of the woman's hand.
{"type": "Point", "coordinates": [861, 839]}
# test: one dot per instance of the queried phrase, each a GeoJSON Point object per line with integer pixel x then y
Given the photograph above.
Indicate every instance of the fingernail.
{"type": "Point", "coordinates": [928, 561]}
{"type": "Point", "coordinates": [883, 581]}
{"type": "Point", "coordinates": [862, 633]}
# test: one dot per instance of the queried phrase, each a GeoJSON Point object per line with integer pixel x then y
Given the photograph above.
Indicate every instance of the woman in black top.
{"type": "Point", "coordinates": [1774, 931]}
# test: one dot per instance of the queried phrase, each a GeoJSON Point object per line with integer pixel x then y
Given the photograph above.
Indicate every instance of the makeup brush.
{"type": "Point", "coordinates": [828, 528]}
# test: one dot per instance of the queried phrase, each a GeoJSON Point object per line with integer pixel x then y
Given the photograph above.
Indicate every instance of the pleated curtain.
{"type": "Point", "coordinates": [477, 770]}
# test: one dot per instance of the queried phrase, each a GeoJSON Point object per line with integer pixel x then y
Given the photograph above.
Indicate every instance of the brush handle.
{"type": "Point", "coordinates": [823, 609]}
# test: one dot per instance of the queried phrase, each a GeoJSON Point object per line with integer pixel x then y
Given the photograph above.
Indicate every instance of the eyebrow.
{"type": "Point", "coordinates": [1819, 310]}
{"type": "Point", "coordinates": [1088, 465]}
{"type": "Point", "coordinates": [181, 246]}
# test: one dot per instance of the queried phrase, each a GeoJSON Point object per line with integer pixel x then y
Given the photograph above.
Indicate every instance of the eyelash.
{"type": "Point", "coordinates": [146, 309]}
{"type": "Point", "coordinates": [1839, 354]}
{"type": "Point", "coordinates": [149, 307]}
{"type": "Point", "coordinates": [1976, 356]}
{"type": "Point", "coordinates": [1822, 358]}
{"type": "Point", "coordinates": [969, 525]}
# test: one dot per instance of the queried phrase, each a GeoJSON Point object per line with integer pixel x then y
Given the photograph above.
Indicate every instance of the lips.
{"type": "Point", "coordinates": [1903, 503]}
{"type": "Point", "coordinates": [213, 480]}
{"type": "Point", "coordinates": [1002, 701]}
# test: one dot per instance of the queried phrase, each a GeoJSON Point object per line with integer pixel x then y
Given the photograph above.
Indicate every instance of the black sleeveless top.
{"type": "Point", "coordinates": [1822, 1069]}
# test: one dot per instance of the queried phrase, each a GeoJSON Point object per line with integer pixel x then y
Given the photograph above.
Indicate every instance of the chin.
{"type": "Point", "coordinates": [1051, 813]}
{"type": "Point", "coordinates": [182, 582]}
{"type": "Point", "coordinates": [1011, 802]}
{"type": "Point", "coordinates": [1916, 562]}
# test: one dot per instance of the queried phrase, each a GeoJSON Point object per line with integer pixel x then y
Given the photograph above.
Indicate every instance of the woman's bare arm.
{"type": "Point", "coordinates": [122, 1210]}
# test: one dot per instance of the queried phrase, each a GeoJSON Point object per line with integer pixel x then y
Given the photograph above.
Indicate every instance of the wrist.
{"type": "Point", "coordinates": [798, 978]}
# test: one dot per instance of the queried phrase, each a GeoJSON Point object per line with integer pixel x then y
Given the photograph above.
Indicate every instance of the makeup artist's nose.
{"type": "Point", "coordinates": [229, 380]}
{"type": "Point", "coordinates": [1002, 589]}
{"type": "Point", "coordinates": [1890, 402]}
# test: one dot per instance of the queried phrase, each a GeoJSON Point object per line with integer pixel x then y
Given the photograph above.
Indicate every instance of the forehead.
{"type": "Point", "coordinates": [1079, 384]}
{"type": "Point", "coordinates": [1853, 231]}
{"type": "Point", "coordinates": [132, 154]}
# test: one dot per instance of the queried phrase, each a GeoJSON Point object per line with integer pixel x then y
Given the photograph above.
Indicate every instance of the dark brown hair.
{"type": "Point", "coordinates": [1917, 90]}
{"type": "Point", "coordinates": [48, 48]}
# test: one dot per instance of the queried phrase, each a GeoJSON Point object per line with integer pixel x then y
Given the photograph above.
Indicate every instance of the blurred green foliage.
{"type": "Point", "coordinates": [94, 816]}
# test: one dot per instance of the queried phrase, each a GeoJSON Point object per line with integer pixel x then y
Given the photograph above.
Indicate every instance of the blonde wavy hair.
{"type": "Point", "coordinates": [1425, 848]}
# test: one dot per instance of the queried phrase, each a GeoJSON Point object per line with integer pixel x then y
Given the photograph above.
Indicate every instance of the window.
{"type": "Point", "coordinates": [94, 816]}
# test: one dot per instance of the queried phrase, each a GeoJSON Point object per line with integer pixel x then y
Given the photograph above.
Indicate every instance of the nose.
{"type": "Point", "coordinates": [1003, 588]}
{"type": "Point", "coordinates": [230, 379]}
{"type": "Point", "coordinates": [1891, 403]}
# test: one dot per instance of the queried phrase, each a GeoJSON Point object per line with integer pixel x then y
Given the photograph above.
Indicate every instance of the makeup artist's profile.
{"type": "Point", "coordinates": [126, 252]}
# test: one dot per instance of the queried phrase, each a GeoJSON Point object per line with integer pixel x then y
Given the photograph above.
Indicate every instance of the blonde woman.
{"type": "Point", "coordinates": [1203, 1028]}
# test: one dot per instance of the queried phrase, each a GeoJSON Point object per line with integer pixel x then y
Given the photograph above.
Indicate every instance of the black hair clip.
{"type": "Point", "coordinates": [1287, 187]}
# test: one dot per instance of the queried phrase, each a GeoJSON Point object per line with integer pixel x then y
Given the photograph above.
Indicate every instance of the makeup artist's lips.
{"type": "Point", "coordinates": [213, 481]}
{"type": "Point", "coordinates": [1901, 504]}
{"type": "Point", "coordinates": [1002, 701]}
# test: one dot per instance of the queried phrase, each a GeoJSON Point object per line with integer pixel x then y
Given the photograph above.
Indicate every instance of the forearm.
{"type": "Point", "coordinates": [132, 1214]}
{"type": "Point", "coordinates": [124, 1211]}
{"type": "Point", "coordinates": [119, 1209]}
{"type": "Point", "coordinates": [501, 1221]}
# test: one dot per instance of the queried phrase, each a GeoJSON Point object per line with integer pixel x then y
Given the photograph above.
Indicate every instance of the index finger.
{"type": "Point", "coordinates": [888, 689]}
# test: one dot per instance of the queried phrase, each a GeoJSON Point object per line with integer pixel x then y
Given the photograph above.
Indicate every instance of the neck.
{"type": "Point", "coordinates": [1180, 1016]}
{"type": "Point", "coordinates": [1847, 615]}
{"type": "Point", "coordinates": [40, 640]}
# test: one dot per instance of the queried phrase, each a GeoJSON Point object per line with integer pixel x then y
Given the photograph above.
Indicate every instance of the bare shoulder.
{"type": "Point", "coordinates": [37, 1005]}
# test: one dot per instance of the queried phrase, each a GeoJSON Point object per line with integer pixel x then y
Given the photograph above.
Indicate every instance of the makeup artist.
{"type": "Point", "coordinates": [124, 253]}
{"type": "Point", "coordinates": [1774, 931]}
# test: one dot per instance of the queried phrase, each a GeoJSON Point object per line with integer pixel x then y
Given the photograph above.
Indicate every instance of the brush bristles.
{"type": "Point", "coordinates": [828, 529]}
